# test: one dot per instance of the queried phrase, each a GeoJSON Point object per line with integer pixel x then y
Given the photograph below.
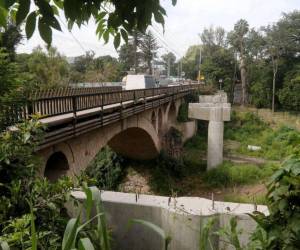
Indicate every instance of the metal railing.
{"type": "Point", "coordinates": [59, 102]}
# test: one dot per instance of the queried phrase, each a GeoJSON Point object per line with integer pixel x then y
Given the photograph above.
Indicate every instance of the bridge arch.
{"type": "Point", "coordinates": [160, 118]}
{"type": "Point", "coordinates": [57, 165]}
{"type": "Point", "coordinates": [154, 120]}
{"type": "Point", "coordinates": [172, 113]}
{"type": "Point", "coordinates": [135, 143]}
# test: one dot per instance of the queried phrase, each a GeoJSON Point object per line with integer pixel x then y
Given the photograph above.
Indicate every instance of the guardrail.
{"type": "Point", "coordinates": [49, 105]}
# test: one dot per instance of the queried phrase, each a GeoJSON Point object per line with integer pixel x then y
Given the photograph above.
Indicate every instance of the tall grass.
{"type": "Point", "coordinates": [276, 143]}
{"type": "Point", "coordinates": [229, 174]}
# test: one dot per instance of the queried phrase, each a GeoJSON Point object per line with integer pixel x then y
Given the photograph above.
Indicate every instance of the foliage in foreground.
{"type": "Point", "coordinates": [281, 228]}
{"type": "Point", "coordinates": [20, 184]}
{"type": "Point", "coordinates": [86, 231]}
{"type": "Point", "coordinates": [118, 22]}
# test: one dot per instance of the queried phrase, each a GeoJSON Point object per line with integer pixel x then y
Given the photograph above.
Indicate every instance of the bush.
{"type": "Point", "coordinates": [244, 125]}
{"type": "Point", "coordinates": [281, 227]}
{"type": "Point", "coordinates": [106, 169]}
{"type": "Point", "coordinates": [229, 174]}
{"type": "Point", "coordinates": [20, 186]}
{"type": "Point", "coordinates": [289, 95]}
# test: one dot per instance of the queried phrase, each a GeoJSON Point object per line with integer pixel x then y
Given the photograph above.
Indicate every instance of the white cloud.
{"type": "Point", "coordinates": [183, 24]}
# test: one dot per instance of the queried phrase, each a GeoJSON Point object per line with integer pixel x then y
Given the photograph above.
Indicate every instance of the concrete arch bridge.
{"type": "Point", "coordinates": [133, 123]}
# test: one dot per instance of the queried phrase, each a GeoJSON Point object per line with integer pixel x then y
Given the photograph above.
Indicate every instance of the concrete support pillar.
{"type": "Point", "coordinates": [215, 144]}
{"type": "Point", "coordinates": [216, 110]}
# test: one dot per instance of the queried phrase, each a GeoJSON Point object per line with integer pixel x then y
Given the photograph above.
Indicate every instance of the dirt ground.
{"type": "Point", "coordinates": [139, 182]}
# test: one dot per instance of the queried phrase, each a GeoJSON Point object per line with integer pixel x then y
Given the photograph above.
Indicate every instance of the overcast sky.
{"type": "Point", "coordinates": [183, 24]}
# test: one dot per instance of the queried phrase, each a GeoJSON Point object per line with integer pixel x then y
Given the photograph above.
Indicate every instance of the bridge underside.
{"type": "Point", "coordinates": [134, 143]}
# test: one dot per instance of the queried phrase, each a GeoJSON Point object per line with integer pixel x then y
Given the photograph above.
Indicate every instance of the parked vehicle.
{"type": "Point", "coordinates": [140, 82]}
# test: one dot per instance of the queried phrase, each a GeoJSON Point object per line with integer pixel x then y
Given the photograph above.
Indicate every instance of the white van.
{"type": "Point", "coordinates": [139, 82]}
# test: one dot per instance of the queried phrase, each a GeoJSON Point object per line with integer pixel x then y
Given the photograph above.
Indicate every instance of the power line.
{"type": "Point", "coordinates": [165, 44]}
{"type": "Point", "coordinates": [171, 43]}
{"type": "Point", "coordinates": [75, 39]}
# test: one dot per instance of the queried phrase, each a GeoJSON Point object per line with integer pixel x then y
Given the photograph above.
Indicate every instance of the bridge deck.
{"type": "Point", "coordinates": [69, 115]}
{"type": "Point", "coordinates": [59, 119]}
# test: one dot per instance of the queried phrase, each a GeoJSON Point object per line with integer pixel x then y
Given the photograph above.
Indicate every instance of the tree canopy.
{"type": "Point", "coordinates": [113, 17]}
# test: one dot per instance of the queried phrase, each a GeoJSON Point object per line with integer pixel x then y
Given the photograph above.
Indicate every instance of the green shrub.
{"type": "Point", "coordinates": [229, 174]}
{"type": "Point", "coordinates": [20, 184]}
{"type": "Point", "coordinates": [244, 125]}
{"type": "Point", "coordinates": [106, 169]}
{"type": "Point", "coordinates": [281, 227]}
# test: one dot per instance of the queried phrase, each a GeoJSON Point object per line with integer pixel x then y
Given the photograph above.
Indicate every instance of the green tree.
{"type": "Point", "coordinates": [169, 60]}
{"type": "Point", "coordinates": [148, 47]}
{"type": "Point", "coordinates": [50, 69]}
{"type": "Point", "coordinates": [289, 95]}
{"type": "Point", "coordinates": [122, 19]}
{"type": "Point", "coordinates": [238, 39]}
{"type": "Point", "coordinates": [10, 37]}
{"type": "Point", "coordinates": [190, 62]}
{"type": "Point", "coordinates": [8, 74]}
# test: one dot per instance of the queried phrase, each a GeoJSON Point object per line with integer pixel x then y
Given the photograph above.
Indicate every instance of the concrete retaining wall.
{"type": "Point", "coordinates": [181, 218]}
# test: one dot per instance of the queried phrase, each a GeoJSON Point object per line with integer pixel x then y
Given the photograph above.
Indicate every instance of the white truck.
{"type": "Point", "coordinates": [139, 82]}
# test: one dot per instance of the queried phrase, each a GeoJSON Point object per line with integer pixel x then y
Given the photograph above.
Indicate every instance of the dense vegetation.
{"type": "Point", "coordinates": [266, 63]}
{"type": "Point", "coordinates": [276, 143]}
{"type": "Point", "coordinates": [264, 60]}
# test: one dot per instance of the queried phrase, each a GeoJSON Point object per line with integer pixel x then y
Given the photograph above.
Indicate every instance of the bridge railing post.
{"type": "Point", "coordinates": [74, 107]}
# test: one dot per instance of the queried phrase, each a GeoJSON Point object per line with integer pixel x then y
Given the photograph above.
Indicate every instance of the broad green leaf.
{"type": "Point", "coordinates": [23, 9]}
{"type": "Point", "coordinates": [101, 15]}
{"type": "Point", "coordinates": [88, 203]}
{"type": "Point", "coordinates": [4, 245]}
{"type": "Point", "coordinates": [124, 35]}
{"type": "Point", "coordinates": [174, 2]}
{"type": "Point", "coordinates": [155, 228]}
{"type": "Point", "coordinates": [30, 24]}
{"type": "Point", "coordinates": [106, 36]}
{"type": "Point", "coordinates": [59, 3]}
{"type": "Point", "coordinates": [45, 8]}
{"type": "Point", "coordinates": [55, 24]}
{"type": "Point", "coordinates": [117, 41]}
{"type": "Point", "coordinates": [159, 18]}
{"type": "Point", "coordinates": [32, 230]}
{"type": "Point", "coordinates": [85, 244]}
{"type": "Point", "coordinates": [45, 31]}
{"type": "Point", "coordinates": [70, 234]}
{"type": "Point", "coordinates": [55, 10]}
{"type": "Point", "coordinates": [3, 17]}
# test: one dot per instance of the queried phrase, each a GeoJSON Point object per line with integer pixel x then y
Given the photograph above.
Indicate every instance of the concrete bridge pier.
{"type": "Point", "coordinates": [216, 110]}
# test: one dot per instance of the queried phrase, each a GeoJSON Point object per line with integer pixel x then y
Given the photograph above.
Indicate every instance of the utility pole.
{"type": "Point", "coordinates": [200, 59]}
{"type": "Point", "coordinates": [169, 65]}
{"type": "Point", "coordinates": [178, 71]}
{"type": "Point", "coordinates": [181, 69]}
{"type": "Point", "coordinates": [135, 50]}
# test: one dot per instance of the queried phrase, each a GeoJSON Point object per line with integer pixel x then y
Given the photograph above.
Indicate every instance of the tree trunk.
{"type": "Point", "coordinates": [275, 69]}
{"type": "Point", "coordinates": [244, 82]}
{"type": "Point", "coordinates": [149, 67]}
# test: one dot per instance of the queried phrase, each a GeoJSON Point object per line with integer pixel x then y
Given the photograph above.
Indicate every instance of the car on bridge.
{"type": "Point", "coordinates": [140, 82]}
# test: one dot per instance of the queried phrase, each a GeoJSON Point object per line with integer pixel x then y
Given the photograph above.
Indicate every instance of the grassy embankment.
{"type": "Point", "coordinates": [237, 182]}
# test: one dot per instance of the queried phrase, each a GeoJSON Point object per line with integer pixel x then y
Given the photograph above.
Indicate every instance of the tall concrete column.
{"type": "Point", "coordinates": [216, 110]}
{"type": "Point", "coordinates": [215, 144]}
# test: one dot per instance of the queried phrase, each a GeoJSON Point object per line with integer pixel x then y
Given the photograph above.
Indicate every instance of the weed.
{"type": "Point", "coordinates": [229, 174]}
{"type": "Point", "coordinates": [241, 198]}
{"type": "Point", "coordinates": [105, 169]}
